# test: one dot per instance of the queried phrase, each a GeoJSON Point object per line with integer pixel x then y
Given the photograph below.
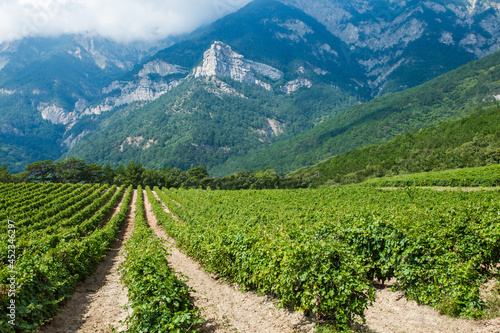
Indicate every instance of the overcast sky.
{"type": "Point", "coordinates": [122, 20]}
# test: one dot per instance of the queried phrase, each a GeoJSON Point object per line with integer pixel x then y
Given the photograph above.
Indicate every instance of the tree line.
{"type": "Point", "coordinates": [76, 171]}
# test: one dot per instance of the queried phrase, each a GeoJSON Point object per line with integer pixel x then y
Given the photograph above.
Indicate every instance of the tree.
{"type": "Point", "coordinates": [174, 177]}
{"type": "Point", "coordinates": [108, 175]}
{"type": "Point", "coordinates": [152, 178]}
{"type": "Point", "coordinates": [133, 174]}
{"type": "Point", "coordinates": [267, 178]}
{"type": "Point", "coordinates": [5, 175]}
{"type": "Point", "coordinates": [40, 171]}
{"type": "Point", "coordinates": [70, 171]}
{"type": "Point", "coordinates": [196, 175]}
{"type": "Point", "coordinates": [119, 175]}
{"type": "Point", "coordinates": [93, 174]}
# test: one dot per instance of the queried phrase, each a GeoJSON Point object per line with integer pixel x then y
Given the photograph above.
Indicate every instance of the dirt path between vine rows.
{"type": "Point", "coordinates": [224, 307]}
{"type": "Point", "coordinates": [97, 303]}
{"type": "Point", "coordinates": [392, 313]}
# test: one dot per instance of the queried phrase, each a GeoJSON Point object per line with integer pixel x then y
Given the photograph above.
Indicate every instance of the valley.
{"type": "Point", "coordinates": [318, 166]}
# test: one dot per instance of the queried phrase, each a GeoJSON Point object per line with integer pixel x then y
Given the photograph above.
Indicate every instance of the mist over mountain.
{"type": "Point", "coordinates": [122, 21]}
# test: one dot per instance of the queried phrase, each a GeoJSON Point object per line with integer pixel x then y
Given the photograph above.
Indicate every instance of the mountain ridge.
{"type": "Point", "coordinates": [325, 68]}
{"type": "Point", "coordinates": [448, 97]}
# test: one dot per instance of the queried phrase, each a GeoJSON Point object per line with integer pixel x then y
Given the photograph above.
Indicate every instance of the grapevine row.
{"type": "Point", "coordinates": [318, 276]}
{"type": "Point", "coordinates": [79, 225]}
{"type": "Point", "coordinates": [47, 278]}
{"type": "Point", "coordinates": [160, 301]}
{"type": "Point", "coordinates": [441, 247]}
{"type": "Point", "coordinates": [40, 200]}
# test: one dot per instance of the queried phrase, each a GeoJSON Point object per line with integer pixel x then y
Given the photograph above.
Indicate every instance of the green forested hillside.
{"type": "Point", "coordinates": [192, 126]}
{"type": "Point", "coordinates": [449, 97]}
{"type": "Point", "coordinates": [42, 72]}
{"type": "Point", "coordinates": [486, 176]}
{"type": "Point", "coordinates": [24, 136]}
{"type": "Point", "coordinates": [469, 142]}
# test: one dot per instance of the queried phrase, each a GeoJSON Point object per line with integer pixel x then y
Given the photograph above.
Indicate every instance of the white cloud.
{"type": "Point", "coordinates": [122, 20]}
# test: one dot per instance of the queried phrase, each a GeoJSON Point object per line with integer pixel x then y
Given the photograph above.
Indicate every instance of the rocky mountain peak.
{"type": "Point", "coordinates": [386, 36]}
{"type": "Point", "coordinates": [221, 61]}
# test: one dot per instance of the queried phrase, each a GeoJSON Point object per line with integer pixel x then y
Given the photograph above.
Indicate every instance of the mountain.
{"type": "Point", "coordinates": [472, 141]}
{"type": "Point", "coordinates": [449, 97]}
{"type": "Point", "coordinates": [248, 82]}
{"type": "Point", "coordinates": [228, 105]}
{"type": "Point", "coordinates": [401, 44]}
{"type": "Point", "coordinates": [46, 83]}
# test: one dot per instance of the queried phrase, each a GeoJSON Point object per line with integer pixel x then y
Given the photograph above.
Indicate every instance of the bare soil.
{"type": "Point", "coordinates": [225, 307]}
{"type": "Point", "coordinates": [97, 304]}
{"type": "Point", "coordinates": [392, 313]}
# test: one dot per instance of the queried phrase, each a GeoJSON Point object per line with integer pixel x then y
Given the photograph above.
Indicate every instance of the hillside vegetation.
{"type": "Point", "coordinates": [469, 142]}
{"type": "Point", "coordinates": [487, 176]}
{"type": "Point", "coordinates": [449, 97]}
{"type": "Point", "coordinates": [192, 126]}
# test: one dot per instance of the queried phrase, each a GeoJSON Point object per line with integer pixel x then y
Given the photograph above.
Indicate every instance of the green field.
{"type": "Point", "coordinates": [319, 250]}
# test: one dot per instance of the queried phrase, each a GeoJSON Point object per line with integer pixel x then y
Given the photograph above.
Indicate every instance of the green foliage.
{"type": "Point", "coordinates": [191, 126]}
{"type": "Point", "coordinates": [244, 180]}
{"type": "Point", "coordinates": [450, 97]}
{"type": "Point", "coordinates": [441, 247]}
{"type": "Point", "coordinates": [233, 236]}
{"type": "Point", "coordinates": [196, 175]}
{"type": "Point", "coordinates": [5, 175]}
{"type": "Point", "coordinates": [160, 301]}
{"type": "Point", "coordinates": [469, 142]}
{"type": "Point", "coordinates": [488, 176]}
{"type": "Point", "coordinates": [72, 171]}
{"type": "Point", "coordinates": [25, 136]}
{"type": "Point", "coordinates": [132, 175]}
{"type": "Point", "coordinates": [49, 269]}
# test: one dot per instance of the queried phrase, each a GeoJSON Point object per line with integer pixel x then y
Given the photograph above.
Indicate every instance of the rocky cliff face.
{"type": "Point", "coordinates": [295, 85]}
{"type": "Point", "coordinates": [152, 81]}
{"type": "Point", "coordinates": [61, 76]}
{"type": "Point", "coordinates": [378, 33]}
{"type": "Point", "coordinates": [157, 78]}
{"type": "Point", "coordinates": [221, 61]}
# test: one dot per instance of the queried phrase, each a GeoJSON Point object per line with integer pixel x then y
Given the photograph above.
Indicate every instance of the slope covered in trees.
{"type": "Point", "coordinates": [469, 142]}
{"type": "Point", "coordinates": [450, 97]}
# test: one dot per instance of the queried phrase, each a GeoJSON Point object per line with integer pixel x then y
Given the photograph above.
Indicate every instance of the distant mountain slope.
{"type": "Point", "coordinates": [45, 83]}
{"type": "Point", "coordinates": [401, 44]}
{"type": "Point", "coordinates": [469, 142]}
{"type": "Point", "coordinates": [277, 72]}
{"type": "Point", "coordinates": [229, 105]}
{"type": "Point", "coordinates": [310, 59]}
{"type": "Point", "coordinates": [449, 97]}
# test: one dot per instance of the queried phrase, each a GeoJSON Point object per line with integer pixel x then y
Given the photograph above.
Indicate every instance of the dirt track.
{"type": "Point", "coordinates": [392, 313]}
{"type": "Point", "coordinates": [97, 303]}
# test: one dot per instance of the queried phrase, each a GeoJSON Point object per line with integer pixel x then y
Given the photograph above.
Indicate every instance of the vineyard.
{"type": "Point", "coordinates": [318, 251]}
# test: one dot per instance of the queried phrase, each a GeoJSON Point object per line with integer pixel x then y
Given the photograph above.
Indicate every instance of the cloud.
{"type": "Point", "coordinates": [121, 20]}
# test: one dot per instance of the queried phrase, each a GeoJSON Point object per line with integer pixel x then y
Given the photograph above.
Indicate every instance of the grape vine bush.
{"type": "Point", "coordinates": [318, 250]}
{"type": "Point", "coordinates": [160, 300]}
{"type": "Point", "coordinates": [47, 274]}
